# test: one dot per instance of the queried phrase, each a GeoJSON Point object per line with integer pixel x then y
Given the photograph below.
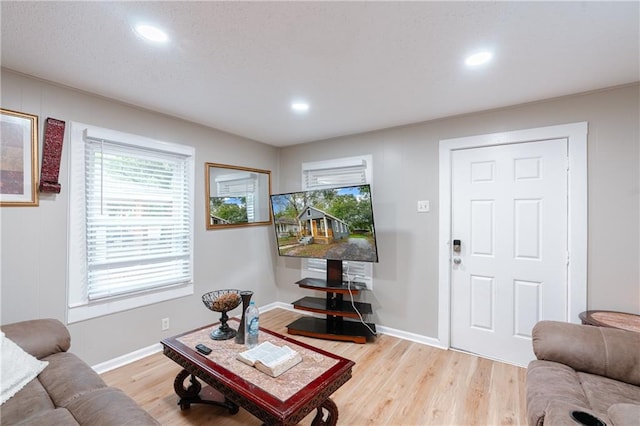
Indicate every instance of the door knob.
{"type": "Point", "coordinates": [457, 260]}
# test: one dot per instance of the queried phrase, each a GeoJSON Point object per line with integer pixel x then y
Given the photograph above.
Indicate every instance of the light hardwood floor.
{"type": "Point", "coordinates": [395, 382]}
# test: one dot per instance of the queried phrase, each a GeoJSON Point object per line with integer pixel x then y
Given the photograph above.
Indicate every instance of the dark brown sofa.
{"type": "Point", "coordinates": [67, 391]}
{"type": "Point", "coordinates": [583, 368]}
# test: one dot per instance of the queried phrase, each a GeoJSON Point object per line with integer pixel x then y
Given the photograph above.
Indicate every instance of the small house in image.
{"type": "Point", "coordinates": [320, 225]}
{"type": "Point", "coordinates": [215, 220]}
{"type": "Point", "coordinates": [286, 226]}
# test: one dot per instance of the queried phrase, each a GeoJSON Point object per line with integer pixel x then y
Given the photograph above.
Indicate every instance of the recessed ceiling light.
{"type": "Point", "coordinates": [478, 58]}
{"type": "Point", "coordinates": [300, 107]}
{"type": "Point", "coordinates": [152, 33]}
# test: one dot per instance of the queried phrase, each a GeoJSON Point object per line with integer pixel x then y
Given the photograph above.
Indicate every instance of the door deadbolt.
{"type": "Point", "coordinates": [457, 246]}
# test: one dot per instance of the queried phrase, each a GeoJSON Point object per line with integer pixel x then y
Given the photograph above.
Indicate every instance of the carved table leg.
{"type": "Point", "coordinates": [191, 394]}
{"type": "Point", "coordinates": [332, 414]}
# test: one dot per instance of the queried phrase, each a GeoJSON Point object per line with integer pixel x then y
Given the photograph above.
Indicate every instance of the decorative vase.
{"type": "Point", "coordinates": [246, 298]}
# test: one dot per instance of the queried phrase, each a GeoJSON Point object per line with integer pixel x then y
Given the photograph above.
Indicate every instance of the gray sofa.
{"type": "Point", "coordinates": [67, 391]}
{"type": "Point", "coordinates": [593, 370]}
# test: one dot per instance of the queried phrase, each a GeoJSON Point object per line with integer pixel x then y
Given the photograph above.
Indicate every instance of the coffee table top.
{"type": "Point", "coordinates": [623, 320]}
{"type": "Point", "coordinates": [318, 375]}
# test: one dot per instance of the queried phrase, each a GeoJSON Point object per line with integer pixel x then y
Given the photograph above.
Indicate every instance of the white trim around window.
{"type": "Point", "coordinates": [126, 188]}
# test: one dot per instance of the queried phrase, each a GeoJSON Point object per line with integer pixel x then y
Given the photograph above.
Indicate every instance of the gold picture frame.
{"type": "Point", "coordinates": [236, 196]}
{"type": "Point", "coordinates": [18, 159]}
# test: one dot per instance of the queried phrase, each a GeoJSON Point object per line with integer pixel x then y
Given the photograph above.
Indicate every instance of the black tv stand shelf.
{"type": "Point", "coordinates": [336, 309]}
{"type": "Point", "coordinates": [341, 308]}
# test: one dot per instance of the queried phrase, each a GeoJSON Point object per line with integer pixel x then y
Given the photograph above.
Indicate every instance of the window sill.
{"type": "Point", "coordinates": [98, 309]}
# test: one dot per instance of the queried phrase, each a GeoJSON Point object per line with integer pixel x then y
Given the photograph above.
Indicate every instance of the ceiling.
{"type": "Point", "coordinates": [237, 66]}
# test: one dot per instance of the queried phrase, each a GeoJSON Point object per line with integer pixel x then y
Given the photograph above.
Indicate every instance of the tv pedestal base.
{"type": "Point", "coordinates": [321, 328]}
{"type": "Point", "coordinates": [334, 326]}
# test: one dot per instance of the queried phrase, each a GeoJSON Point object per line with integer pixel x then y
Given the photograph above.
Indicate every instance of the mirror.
{"type": "Point", "coordinates": [236, 196]}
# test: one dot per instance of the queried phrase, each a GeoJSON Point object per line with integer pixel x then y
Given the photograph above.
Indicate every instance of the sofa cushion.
{"type": "Point", "coordinates": [58, 416]}
{"type": "Point", "coordinates": [108, 407]}
{"type": "Point", "coordinates": [68, 377]}
{"type": "Point", "coordinates": [18, 368]}
{"type": "Point", "coordinates": [31, 400]}
{"type": "Point", "coordinates": [603, 392]}
{"type": "Point", "coordinates": [624, 414]}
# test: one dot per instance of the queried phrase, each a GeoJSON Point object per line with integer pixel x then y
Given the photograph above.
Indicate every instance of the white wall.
{"type": "Point", "coordinates": [34, 239]}
{"type": "Point", "coordinates": [405, 170]}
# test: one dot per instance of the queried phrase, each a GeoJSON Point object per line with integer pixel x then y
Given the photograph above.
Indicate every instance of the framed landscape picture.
{"type": "Point", "coordinates": [18, 158]}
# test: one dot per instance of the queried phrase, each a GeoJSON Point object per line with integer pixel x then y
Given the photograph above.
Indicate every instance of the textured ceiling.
{"type": "Point", "coordinates": [236, 66]}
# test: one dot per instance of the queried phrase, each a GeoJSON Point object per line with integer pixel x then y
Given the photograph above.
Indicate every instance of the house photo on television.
{"type": "Point", "coordinates": [332, 223]}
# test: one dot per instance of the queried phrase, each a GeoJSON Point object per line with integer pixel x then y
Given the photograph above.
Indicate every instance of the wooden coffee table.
{"type": "Point", "coordinates": [284, 400]}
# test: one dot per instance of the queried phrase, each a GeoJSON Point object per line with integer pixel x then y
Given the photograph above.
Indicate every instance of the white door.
{"type": "Point", "coordinates": [509, 212]}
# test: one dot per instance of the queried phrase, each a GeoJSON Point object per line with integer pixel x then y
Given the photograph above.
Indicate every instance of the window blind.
{"type": "Point", "coordinates": [334, 177]}
{"type": "Point", "coordinates": [137, 219]}
{"type": "Point", "coordinates": [245, 188]}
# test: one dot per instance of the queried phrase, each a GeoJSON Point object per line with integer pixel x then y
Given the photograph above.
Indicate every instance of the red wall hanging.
{"type": "Point", "coordinates": [51, 154]}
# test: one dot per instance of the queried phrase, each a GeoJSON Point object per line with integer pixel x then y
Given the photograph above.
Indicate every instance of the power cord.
{"type": "Point", "coordinates": [353, 304]}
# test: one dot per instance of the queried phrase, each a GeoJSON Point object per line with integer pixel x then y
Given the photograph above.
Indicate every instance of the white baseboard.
{"type": "Point", "coordinates": [406, 335]}
{"type": "Point", "coordinates": [120, 361]}
{"type": "Point", "coordinates": [125, 359]}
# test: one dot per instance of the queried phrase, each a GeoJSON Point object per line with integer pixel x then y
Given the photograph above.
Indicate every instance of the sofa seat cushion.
{"type": "Point", "coordinates": [108, 407]}
{"type": "Point", "coordinates": [67, 377]}
{"type": "Point", "coordinates": [58, 416]}
{"type": "Point", "coordinates": [30, 401]}
{"type": "Point", "coordinates": [624, 414]}
{"type": "Point", "coordinates": [603, 392]}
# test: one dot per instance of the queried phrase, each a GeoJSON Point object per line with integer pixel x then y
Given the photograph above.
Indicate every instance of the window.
{"type": "Point", "coordinates": [130, 222]}
{"type": "Point", "coordinates": [333, 174]}
{"type": "Point", "coordinates": [242, 185]}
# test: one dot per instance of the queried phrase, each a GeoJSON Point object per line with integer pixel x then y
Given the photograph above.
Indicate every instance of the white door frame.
{"type": "Point", "coordinates": [576, 135]}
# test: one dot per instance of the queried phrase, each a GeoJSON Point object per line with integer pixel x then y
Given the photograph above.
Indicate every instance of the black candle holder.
{"type": "Point", "coordinates": [246, 298]}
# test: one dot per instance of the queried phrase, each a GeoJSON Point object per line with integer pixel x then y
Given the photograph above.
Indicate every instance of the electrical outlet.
{"type": "Point", "coordinates": [423, 206]}
{"type": "Point", "coordinates": [165, 324]}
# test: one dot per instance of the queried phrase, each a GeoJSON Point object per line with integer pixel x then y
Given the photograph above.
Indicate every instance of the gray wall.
{"type": "Point", "coordinates": [405, 169]}
{"type": "Point", "coordinates": [34, 239]}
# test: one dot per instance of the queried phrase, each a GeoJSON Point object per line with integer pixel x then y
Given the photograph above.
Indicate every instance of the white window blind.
{"type": "Point", "coordinates": [244, 187]}
{"type": "Point", "coordinates": [137, 213]}
{"type": "Point", "coordinates": [130, 221]}
{"type": "Point", "coordinates": [334, 174]}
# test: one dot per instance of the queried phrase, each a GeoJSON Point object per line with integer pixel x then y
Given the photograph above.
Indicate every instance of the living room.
{"type": "Point", "coordinates": [405, 169]}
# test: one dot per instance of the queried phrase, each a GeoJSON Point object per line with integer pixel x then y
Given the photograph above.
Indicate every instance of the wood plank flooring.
{"type": "Point", "coordinates": [395, 382]}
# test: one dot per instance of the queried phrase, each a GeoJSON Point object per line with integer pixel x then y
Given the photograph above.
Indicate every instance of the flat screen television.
{"type": "Point", "coordinates": [334, 224]}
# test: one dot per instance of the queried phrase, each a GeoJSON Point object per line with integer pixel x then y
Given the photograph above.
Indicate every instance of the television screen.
{"type": "Point", "coordinates": [334, 224]}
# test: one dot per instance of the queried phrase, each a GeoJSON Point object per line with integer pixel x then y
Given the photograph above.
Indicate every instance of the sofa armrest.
{"type": "Point", "coordinates": [558, 413]}
{"type": "Point", "coordinates": [40, 337]}
{"type": "Point", "coordinates": [603, 351]}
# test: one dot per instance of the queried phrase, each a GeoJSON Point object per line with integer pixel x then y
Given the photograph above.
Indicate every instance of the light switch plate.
{"type": "Point", "coordinates": [423, 206]}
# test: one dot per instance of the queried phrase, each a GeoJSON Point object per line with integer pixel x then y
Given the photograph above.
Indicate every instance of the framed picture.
{"type": "Point", "coordinates": [18, 158]}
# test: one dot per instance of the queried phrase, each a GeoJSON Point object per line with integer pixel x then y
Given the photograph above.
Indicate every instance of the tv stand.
{"type": "Point", "coordinates": [334, 307]}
